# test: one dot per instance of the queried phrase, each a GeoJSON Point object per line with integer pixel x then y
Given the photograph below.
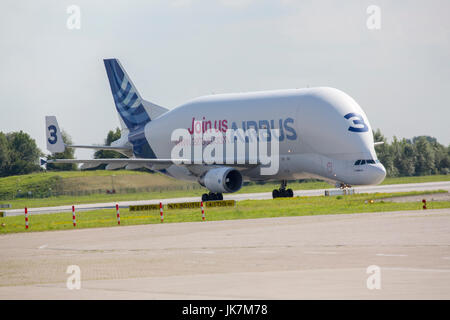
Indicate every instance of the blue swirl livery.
{"type": "Point", "coordinates": [128, 102]}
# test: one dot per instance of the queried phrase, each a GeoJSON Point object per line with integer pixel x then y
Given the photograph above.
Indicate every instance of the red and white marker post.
{"type": "Point", "coordinates": [161, 212]}
{"type": "Point", "coordinates": [118, 214]}
{"type": "Point", "coordinates": [26, 218]}
{"type": "Point", "coordinates": [73, 217]}
{"type": "Point", "coordinates": [203, 211]}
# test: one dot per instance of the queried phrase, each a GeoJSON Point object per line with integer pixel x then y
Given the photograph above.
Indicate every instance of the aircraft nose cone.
{"type": "Point", "coordinates": [377, 173]}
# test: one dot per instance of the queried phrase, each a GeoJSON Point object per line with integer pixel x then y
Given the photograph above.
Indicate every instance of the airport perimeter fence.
{"type": "Point", "coordinates": [58, 190]}
{"type": "Point", "coordinates": [24, 194]}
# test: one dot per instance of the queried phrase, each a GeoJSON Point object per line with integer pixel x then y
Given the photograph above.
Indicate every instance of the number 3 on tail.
{"type": "Point", "coordinates": [53, 138]}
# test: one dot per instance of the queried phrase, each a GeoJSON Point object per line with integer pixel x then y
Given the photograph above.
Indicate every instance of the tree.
{"type": "Point", "coordinates": [109, 154]}
{"type": "Point", "coordinates": [428, 138]}
{"type": "Point", "coordinates": [384, 154]}
{"type": "Point", "coordinates": [112, 136]}
{"type": "Point", "coordinates": [407, 159]}
{"type": "Point", "coordinates": [441, 158]}
{"type": "Point", "coordinates": [4, 155]}
{"type": "Point", "coordinates": [421, 155]}
{"type": "Point", "coordinates": [69, 153]}
{"type": "Point", "coordinates": [23, 154]}
{"type": "Point", "coordinates": [425, 156]}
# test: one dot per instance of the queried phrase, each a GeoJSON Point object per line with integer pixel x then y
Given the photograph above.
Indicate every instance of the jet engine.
{"type": "Point", "coordinates": [222, 180]}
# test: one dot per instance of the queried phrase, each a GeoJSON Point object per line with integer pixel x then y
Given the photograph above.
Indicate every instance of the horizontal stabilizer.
{"type": "Point", "coordinates": [126, 148]}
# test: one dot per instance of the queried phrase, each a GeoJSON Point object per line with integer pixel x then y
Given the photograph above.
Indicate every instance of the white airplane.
{"type": "Point", "coordinates": [323, 134]}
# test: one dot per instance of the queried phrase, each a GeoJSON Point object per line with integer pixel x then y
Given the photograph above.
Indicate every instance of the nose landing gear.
{"type": "Point", "coordinates": [282, 192]}
{"type": "Point", "coordinates": [211, 196]}
{"type": "Point", "coordinates": [343, 185]}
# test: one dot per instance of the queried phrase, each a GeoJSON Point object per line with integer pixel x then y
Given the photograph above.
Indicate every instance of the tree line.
{"type": "Point", "coordinates": [418, 156]}
{"type": "Point", "coordinates": [422, 155]}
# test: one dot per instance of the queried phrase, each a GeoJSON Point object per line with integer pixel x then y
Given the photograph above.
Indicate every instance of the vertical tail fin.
{"type": "Point", "coordinates": [128, 101]}
{"type": "Point", "coordinates": [55, 141]}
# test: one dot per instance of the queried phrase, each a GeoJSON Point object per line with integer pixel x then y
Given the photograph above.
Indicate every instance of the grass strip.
{"type": "Point", "coordinates": [248, 209]}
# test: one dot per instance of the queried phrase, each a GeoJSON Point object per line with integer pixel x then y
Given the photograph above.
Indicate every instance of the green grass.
{"type": "Point", "coordinates": [163, 194]}
{"type": "Point", "coordinates": [249, 209]}
{"type": "Point", "coordinates": [39, 183]}
{"type": "Point", "coordinates": [418, 179]}
{"type": "Point", "coordinates": [66, 181]}
{"type": "Point", "coordinates": [164, 187]}
{"type": "Point", "coordinates": [99, 198]}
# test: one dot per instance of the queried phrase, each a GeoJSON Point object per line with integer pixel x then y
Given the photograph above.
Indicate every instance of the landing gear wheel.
{"type": "Point", "coordinates": [275, 194]}
{"type": "Point", "coordinates": [282, 192]}
{"type": "Point", "coordinates": [289, 193]}
{"type": "Point", "coordinates": [211, 196]}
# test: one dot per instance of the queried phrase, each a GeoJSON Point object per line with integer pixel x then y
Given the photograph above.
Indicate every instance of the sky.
{"type": "Point", "coordinates": [176, 50]}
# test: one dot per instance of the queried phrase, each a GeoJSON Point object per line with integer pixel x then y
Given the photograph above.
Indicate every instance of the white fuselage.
{"type": "Point", "coordinates": [316, 139]}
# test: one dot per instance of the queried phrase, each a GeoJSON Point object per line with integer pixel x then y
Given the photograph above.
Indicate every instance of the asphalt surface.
{"type": "Point", "coordinates": [308, 257]}
{"type": "Point", "coordinates": [444, 185]}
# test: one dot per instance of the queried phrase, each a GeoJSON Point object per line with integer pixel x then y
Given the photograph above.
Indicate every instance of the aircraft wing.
{"type": "Point", "coordinates": [116, 163]}
{"type": "Point", "coordinates": [116, 160]}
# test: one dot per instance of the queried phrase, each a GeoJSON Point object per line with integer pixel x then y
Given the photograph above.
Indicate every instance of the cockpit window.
{"type": "Point", "coordinates": [366, 161]}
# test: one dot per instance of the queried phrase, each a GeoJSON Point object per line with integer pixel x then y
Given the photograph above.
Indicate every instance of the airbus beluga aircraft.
{"type": "Point", "coordinates": [321, 133]}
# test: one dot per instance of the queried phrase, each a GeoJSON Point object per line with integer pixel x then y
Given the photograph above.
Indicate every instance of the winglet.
{"type": "Point", "coordinates": [43, 163]}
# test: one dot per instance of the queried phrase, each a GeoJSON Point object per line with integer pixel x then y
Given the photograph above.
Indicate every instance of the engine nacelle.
{"type": "Point", "coordinates": [222, 180]}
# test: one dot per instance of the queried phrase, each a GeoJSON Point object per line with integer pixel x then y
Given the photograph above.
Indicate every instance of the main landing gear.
{"type": "Point", "coordinates": [212, 196]}
{"type": "Point", "coordinates": [282, 192]}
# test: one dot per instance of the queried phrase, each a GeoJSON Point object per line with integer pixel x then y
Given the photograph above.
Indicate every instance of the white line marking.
{"type": "Point", "coordinates": [417, 269]}
{"type": "Point", "coordinates": [319, 252]}
{"type": "Point", "coordinates": [43, 246]}
{"type": "Point", "coordinates": [391, 255]}
{"type": "Point", "coordinates": [204, 252]}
